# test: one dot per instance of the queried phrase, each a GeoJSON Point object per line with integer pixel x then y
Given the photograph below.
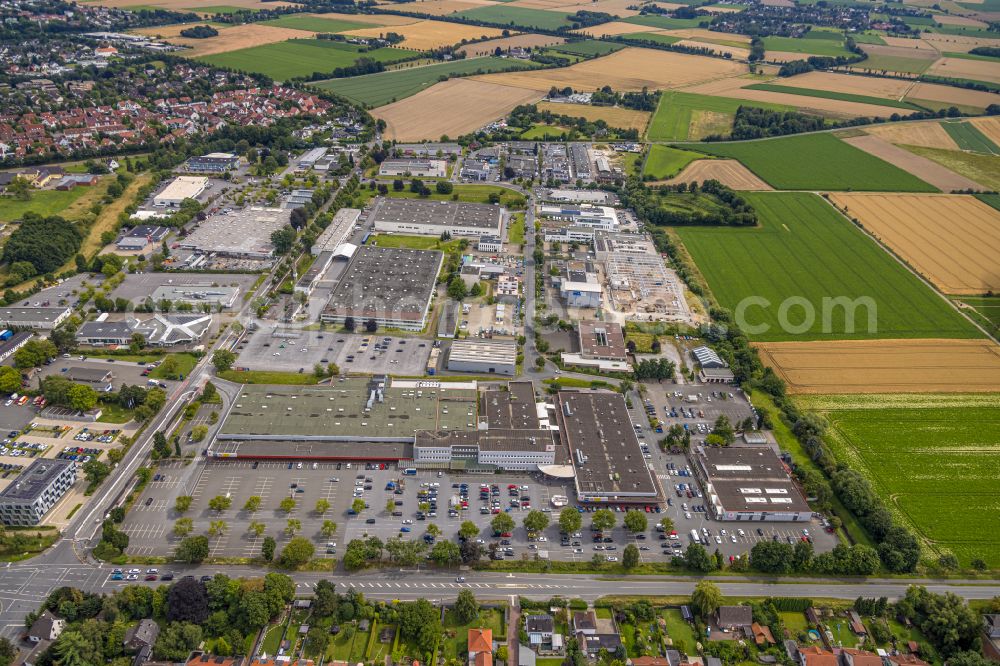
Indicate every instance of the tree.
{"type": "Point", "coordinates": [635, 521]}
{"type": "Point", "coordinates": [446, 553]}
{"type": "Point", "coordinates": [95, 471]}
{"type": "Point", "coordinates": [536, 521]}
{"type": "Point", "coordinates": [293, 525]}
{"type": "Point", "coordinates": [468, 530]}
{"type": "Point", "coordinates": [73, 649]}
{"type": "Point", "coordinates": [390, 505]}
{"type": "Point", "coordinates": [724, 429]}
{"type": "Point", "coordinates": [403, 552]}
{"type": "Point", "coordinates": [176, 641]}
{"type": "Point", "coordinates": [193, 549]}
{"type": "Point", "coordinates": [322, 506]}
{"type": "Point", "coordinates": [706, 598]}
{"type": "Point", "coordinates": [82, 398]}
{"type": "Point", "coordinates": [10, 380]}
{"type": "Point", "coordinates": [328, 528]}
{"type": "Point", "coordinates": [183, 503]}
{"type": "Point", "coordinates": [443, 187]}
{"type": "Point", "coordinates": [20, 188]}
{"type": "Point", "coordinates": [945, 619]}
{"type": "Point", "coordinates": [630, 558]}
{"type": "Point", "coordinates": [257, 527]}
{"type": "Point", "coordinates": [456, 288]}
{"type": "Point", "coordinates": [283, 239]}
{"type": "Point", "coordinates": [434, 530]}
{"type": "Point", "coordinates": [217, 527]}
{"type": "Point", "coordinates": [771, 557]}
{"type": "Point", "coordinates": [223, 359]}
{"type": "Point", "coordinates": [502, 523]}
{"type": "Point", "coordinates": [570, 520]}
{"type": "Point", "coordinates": [603, 520]}
{"type": "Point", "coordinates": [358, 505]}
{"type": "Point", "coordinates": [252, 504]}
{"type": "Point", "coordinates": [317, 640]}
{"type": "Point", "coordinates": [667, 523]}
{"type": "Point", "coordinates": [187, 601]}
{"type": "Point", "coordinates": [466, 606]}
{"type": "Point", "coordinates": [296, 553]}
{"type": "Point", "coordinates": [183, 527]}
{"type": "Point", "coordinates": [969, 658]}
{"type": "Point", "coordinates": [198, 432]}
{"type": "Point", "coordinates": [287, 505]}
{"type": "Point", "coordinates": [220, 503]}
{"type": "Point", "coordinates": [7, 651]}
{"type": "Point", "coordinates": [696, 558]}
{"type": "Point", "coordinates": [267, 548]}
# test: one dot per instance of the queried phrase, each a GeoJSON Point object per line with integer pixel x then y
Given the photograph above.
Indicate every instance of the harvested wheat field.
{"type": "Point", "coordinates": [950, 19]}
{"type": "Point", "coordinates": [782, 56]}
{"type": "Point", "coordinates": [371, 19]}
{"type": "Point", "coordinates": [614, 116]}
{"type": "Point", "coordinates": [963, 68]}
{"type": "Point", "coordinates": [885, 366]}
{"type": "Point", "coordinates": [527, 40]}
{"type": "Point", "coordinates": [630, 69]}
{"type": "Point", "coordinates": [989, 126]}
{"type": "Point", "coordinates": [614, 28]}
{"type": "Point", "coordinates": [238, 37]}
{"type": "Point", "coordinates": [910, 45]}
{"type": "Point", "coordinates": [192, 5]}
{"type": "Point", "coordinates": [951, 239]}
{"type": "Point", "coordinates": [440, 7]}
{"type": "Point", "coordinates": [960, 43]}
{"type": "Point", "coordinates": [614, 7]}
{"type": "Point", "coordinates": [171, 32]}
{"type": "Point", "coordinates": [728, 172]}
{"type": "Point", "coordinates": [452, 107]}
{"type": "Point", "coordinates": [427, 35]}
{"type": "Point", "coordinates": [921, 167]}
{"type": "Point", "coordinates": [847, 83]}
{"type": "Point", "coordinates": [708, 35]}
{"type": "Point", "coordinates": [926, 133]}
{"type": "Point", "coordinates": [539, 4]}
{"type": "Point", "coordinates": [733, 87]}
{"type": "Point", "coordinates": [952, 95]}
{"type": "Point", "coordinates": [733, 51]}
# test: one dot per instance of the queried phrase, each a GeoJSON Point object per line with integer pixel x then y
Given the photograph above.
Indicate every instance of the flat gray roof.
{"type": "Point", "coordinates": [483, 351]}
{"type": "Point", "coordinates": [34, 480]}
{"type": "Point", "coordinates": [383, 280]}
{"type": "Point", "coordinates": [602, 339]}
{"type": "Point", "coordinates": [513, 409]}
{"type": "Point", "coordinates": [13, 315]}
{"type": "Point", "coordinates": [292, 449]}
{"type": "Point", "coordinates": [439, 213]}
{"type": "Point", "coordinates": [750, 478]}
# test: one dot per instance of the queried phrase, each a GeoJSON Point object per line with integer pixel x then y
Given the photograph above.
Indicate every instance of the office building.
{"type": "Point", "coordinates": [35, 491]}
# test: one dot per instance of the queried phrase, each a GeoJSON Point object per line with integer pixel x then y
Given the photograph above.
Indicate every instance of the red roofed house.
{"type": "Point", "coordinates": [906, 660]}
{"type": "Point", "coordinates": [816, 656]}
{"type": "Point", "coordinates": [480, 647]}
{"type": "Point", "coordinates": [854, 657]}
{"type": "Point", "coordinates": [761, 634]}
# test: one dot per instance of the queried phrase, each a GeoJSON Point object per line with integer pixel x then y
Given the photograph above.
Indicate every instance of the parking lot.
{"type": "Point", "coordinates": [290, 350]}
{"type": "Point", "coordinates": [137, 286]}
{"type": "Point", "coordinates": [122, 372]}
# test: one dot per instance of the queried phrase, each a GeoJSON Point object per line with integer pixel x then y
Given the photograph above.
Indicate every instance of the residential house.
{"type": "Point", "coordinates": [540, 630]}
{"type": "Point", "coordinates": [734, 618]}
{"type": "Point", "coordinates": [857, 626]}
{"type": "Point", "coordinates": [584, 622]}
{"type": "Point", "coordinates": [904, 660]}
{"type": "Point", "coordinates": [31, 659]}
{"type": "Point", "coordinates": [202, 659]}
{"type": "Point", "coordinates": [592, 644]}
{"type": "Point", "coordinates": [46, 628]}
{"type": "Point", "coordinates": [812, 655]}
{"type": "Point", "coordinates": [480, 647]}
{"type": "Point", "coordinates": [761, 634]}
{"type": "Point", "coordinates": [991, 636]}
{"type": "Point", "coordinates": [852, 657]}
{"type": "Point", "coordinates": [141, 635]}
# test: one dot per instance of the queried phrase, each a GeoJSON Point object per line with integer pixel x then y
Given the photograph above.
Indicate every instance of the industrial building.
{"type": "Point", "coordinates": [11, 342]}
{"type": "Point", "coordinates": [602, 346]}
{"type": "Point", "coordinates": [640, 282]}
{"type": "Point", "coordinates": [38, 319]}
{"type": "Point", "coordinates": [35, 491]}
{"type": "Point", "coordinates": [243, 233]}
{"type": "Point", "coordinates": [512, 433]}
{"type": "Point", "coordinates": [712, 369]}
{"type": "Point", "coordinates": [483, 356]}
{"type": "Point", "coordinates": [197, 295]}
{"type": "Point", "coordinates": [415, 168]}
{"type": "Point", "coordinates": [491, 244]}
{"type": "Point", "coordinates": [392, 286]}
{"type": "Point", "coordinates": [212, 163]}
{"type": "Point", "coordinates": [160, 330]}
{"type": "Point", "coordinates": [608, 243]}
{"type": "Point", "coordinates": [579, 286]}
{"type": "Point", "coordinates": [597, 428]}
{"type": "Point", "coordinates": [337, 231]}
{"type": "Point", "coordinates": [98, 378]}
{"type": "Point", "coordinates": [309, 158]}
{"type": "Point", "coordinates": [429, 149]}
{"type": "Point", "coordinates": [569, 234]}
{"type": "Point", "coordinates": [140, 236]}
{"type": "Point", "coordinates": [604, 218]}
{"type": "Point", "coordinates": [748, 484]}
{"type": "Point", "coordinates": [577, 196]}
{"type": "Point", "coordinates": [99, 333]}
{"type": "Point", "coordinates": [308, 281]}
{"type": "Point", "coordinates": [433, 218]}
{"type": "Point", "coordinates": [179, 189]}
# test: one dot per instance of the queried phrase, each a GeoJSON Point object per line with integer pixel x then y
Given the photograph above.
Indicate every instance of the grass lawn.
{"type": "Point", "coordinates": [36, 540]}
{"type": "Point", "coordinates": [114, 413]}
{"type": "Point", "coordinates": [817, 162]}
{"type": "Point", "coordinates": [829, 94]}
{"type": "Point", "coordinates": [301, 57]}
{"type": "Point", "coordinates": [269, 377]}
{"type": "Point", "coordinates": [603, 613]}
{"type": "Point", "coordinates": [820, 47]}
{"type": "Point", "coordinates": [413, 242]}
{"type": "Point", "coordinates": [386, 87]}
{"type": "Point", "coordinates": [470, 193]}
{"type": "Point", "coordinates": [936, 438]}
{"type": "Point", "coordinates": [869, 38]}
{"type": "Point", "coordinates": [666, 162]}
{"type": "Point", "coordinates": [549, 661]}
{"type": "Point", "coordinates": [317, 23]}
{"type": "Point", "coordinates": [971, 56]}
{"type": "Point", "coordinates": [43, 202]}
{"type": "Point", "coordinates": [539, 132]}
{"type": "Point", "coordinates": [515, 232]}
{"type": "Point", "coordinates": [351, 650]}
{"type": "Point", "coordinates": [969, 137]}
{"type": "Point", "coordinates": [185, 364]}
{"type": "Point", "coordinates": [679, 113]}
{"type": "Point", "coordinates": [517, 16]}
{"type": "Point", "coordinates": [456, 634]}
{"type": "Point", "coordinates": [794, 621]}
{"type": "Point", "coordinates": [805, 249]}
{"type": "Point", "coordinates": [678, 630]}
{"type": "Point", "coordinates": [984, 169]}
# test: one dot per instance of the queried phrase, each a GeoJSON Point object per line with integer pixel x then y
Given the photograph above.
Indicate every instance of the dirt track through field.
{"type": "Point", "coordinates": [885, 366]}
{"type": "Point", "coordinates": [728, 172]}
{"type": "Point", "coordinates": [630, 69]}
{"type": "Point", "coordinates": [928, 133]}
{"type": "Point", "coordinates": [951, 239]}
{"type": "Point", "coordinates": [452, 107]}
{"type": "Point", "coordinates": [921, 167]}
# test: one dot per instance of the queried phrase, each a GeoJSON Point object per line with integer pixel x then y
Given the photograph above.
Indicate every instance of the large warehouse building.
{"type": "Point", "coordinates": [40, 319]}
{"type": "Point", "coordinates": [392, 286]}
{"type": "Point", "coordinates": [243, 233]}
{"type": "Point", "coordinates": [749, 484]}
{"type": "Point", "coordinates": [179, 189]}
{"type": "Point", "coordinates": [603, 448]}
{"type": "Point", "coordinates": [433, 218]}
{"type": "Point", "coordinates": [483, 356]}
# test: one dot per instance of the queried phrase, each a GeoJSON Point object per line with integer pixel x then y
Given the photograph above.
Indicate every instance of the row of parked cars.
{"type": "Point", "coordinates": [102, 436]}
{"type": "Point", "coordinates": [133, 574]}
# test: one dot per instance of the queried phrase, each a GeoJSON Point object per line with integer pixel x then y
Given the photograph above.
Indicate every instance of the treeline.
{"type": "Point", "coordinates": [640, 101]}
{"type": "Point", "coordinates": [527, 115]}
{"type": "Point", "coordinates": [989, 51]}
{"type": "Point", "coordinates": [755, 123]}
{"type": "Point", "coordinates": [983, 86]}
{"type": "Point", "coordinates": [817, 62]}
{"type": "Point", "coordinates": [44, 242]}
{"type": "Point", "coordinates": [200, 32]}
{"type": "Point", "coordinates": [735, 210]}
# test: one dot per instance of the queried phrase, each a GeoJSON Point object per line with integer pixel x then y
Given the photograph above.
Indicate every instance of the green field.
{"type": "Point", "coordinates": [663, 22]}
{"type": "Point", "coordinates": [830, 94]}
{"type": "Point", "coordinates": [43, 202]}
{"type": "Point", "coordinates": [517, 17]}
{"type": "Point", "coordinates": [970, 56]}
{"type": "Point", "coordinates": [887, 63]}
{"type": "Point", "coordinates": [673, 117]}
{"type": "Point", "coordinates": [666, 162]}
{"type": "Point", "coordinates": [814, 46]}
{"type": "Point", "coordinates": [869, 38]}
{"type": "Point", "coordinates": [589, 47]}
{"type": "Point", "coordinates": [653, 37]}
{"type": "Point", "coordinates": [212, 9]}
{"type": "Point", "coordinates": [818, 161]}
{"type": "Point", "coordinates": [385, 87]}
{"type": "Point", "coordinates": [470, 193]}
{"type": "Point", "coordinates": [984, 169]}
{"type": "Point", "coordinates": [301, 57]}
{"type": "Point", "coordinates": [968, 137]}
{"type": "Point", "coordinates": [985, 310]}
{"type": "Point", "coordinates": [317, 23]}
{"type": "Point", "coordinates": [932, 458]}
{"type": "Point", "coordinates": [539, 131]}
{"type": "Point", "coordinates": [804, 249]}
